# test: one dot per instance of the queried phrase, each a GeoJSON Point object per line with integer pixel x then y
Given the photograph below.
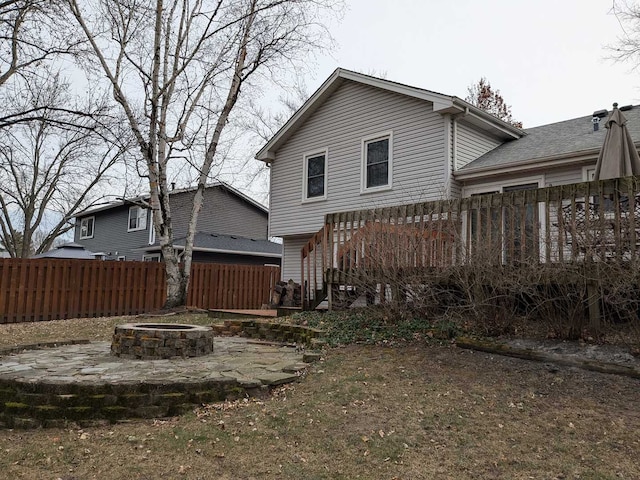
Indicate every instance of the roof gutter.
{"type": "Point", "coordinates": [217, 250]}
{"type": "Point", "coordinates": [504, 127]}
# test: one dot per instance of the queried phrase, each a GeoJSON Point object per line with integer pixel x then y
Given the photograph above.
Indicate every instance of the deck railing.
{"type": "Point", "coordinates": [581, 222]}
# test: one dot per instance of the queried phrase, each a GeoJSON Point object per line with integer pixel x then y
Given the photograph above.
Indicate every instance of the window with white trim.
{"type": "Point", "coordinates": [86, 227]}
{"type": "Point", "coordinates": [151, 257]}
{"type": "Point", "coordinates": [588, 174]}
{"type": "Point", "coordinates": [137, 218]}
{"type": "Point", "coordinates": [377, 162]}
{"type": "Point", "coordinates": [315, 176]}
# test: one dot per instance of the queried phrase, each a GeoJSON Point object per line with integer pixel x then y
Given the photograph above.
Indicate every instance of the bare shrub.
{"type": "Point", "coordinates": [495, 265]}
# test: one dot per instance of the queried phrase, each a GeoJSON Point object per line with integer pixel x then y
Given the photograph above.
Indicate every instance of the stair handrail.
{"type": "Point", "coordinates": [309, 276]}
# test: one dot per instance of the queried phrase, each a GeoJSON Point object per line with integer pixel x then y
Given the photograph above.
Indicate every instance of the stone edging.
{"type": "Point", "coordinates": [271, 331]}
{"type": "Point", "coordinates": [54, 405]}
{"type": "Point", "coordinates": [529, 354]}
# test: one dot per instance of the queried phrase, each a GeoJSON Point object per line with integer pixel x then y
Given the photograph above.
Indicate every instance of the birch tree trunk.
{"type": "Point", "coordinates": [177, 70]}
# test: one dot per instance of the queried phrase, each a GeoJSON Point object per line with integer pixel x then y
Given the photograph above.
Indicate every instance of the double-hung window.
{"type": "Point", "coordinates": [377, 162]}
{"type": "Point", "coordinates": [137, 218]}
{"type": "Point", "coordinates": [315, 176]}
{"type": "Point", "coordinates": [86, 227]}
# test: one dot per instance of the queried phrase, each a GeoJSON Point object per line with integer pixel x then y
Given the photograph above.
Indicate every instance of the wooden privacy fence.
{"type": "Point", "coordinates": [48, 289]}
{"type": "Point", "coordinates": [231, 286]}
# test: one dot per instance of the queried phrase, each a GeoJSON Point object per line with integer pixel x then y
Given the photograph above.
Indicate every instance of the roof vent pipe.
{"type": "Point", "coordinates": [596, 123]}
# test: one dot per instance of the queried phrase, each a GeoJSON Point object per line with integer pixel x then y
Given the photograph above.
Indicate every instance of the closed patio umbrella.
{"type": "Point", "coordinates": [618, 156]}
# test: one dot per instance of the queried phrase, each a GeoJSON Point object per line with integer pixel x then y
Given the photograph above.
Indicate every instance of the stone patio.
{"type": "Point", "coordinates": [84, 383]}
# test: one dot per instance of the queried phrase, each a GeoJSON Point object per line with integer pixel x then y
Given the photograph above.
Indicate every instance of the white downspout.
{"type": "Point", "coordinates": [454, 144]}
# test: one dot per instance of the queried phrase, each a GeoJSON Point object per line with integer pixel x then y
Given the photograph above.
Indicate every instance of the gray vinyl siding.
{"type": "Point", "coordinates": [291, 257]}
{"type": "Point", "coordinates": [550, 176]}
{"type": "Point", "coordinates": [222, 212]}
{"type": "Point", "coordinates": [353, 112]}
{"type": "Point", "coordinates": [565, 176]}
{"type": "Point", "coordinates": [110, 234]}
{"type": "Point", "coordinates": [471, 144]}
{"type": "Point", "coordinates": [455, 189]}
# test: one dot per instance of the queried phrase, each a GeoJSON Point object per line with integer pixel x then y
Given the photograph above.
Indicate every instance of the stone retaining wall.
{"type": "Point", "coordinates": [265, 330]}
{"type": "Point", "coordinates": [24, 405]}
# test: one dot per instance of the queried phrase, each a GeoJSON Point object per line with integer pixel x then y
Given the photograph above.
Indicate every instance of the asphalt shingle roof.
{"type": "Point", "coordinates": [68, 250]}
{"type": "Point", "coordinates": [231, 243]}
{"type": "Point", "coordinates": [561, 138]}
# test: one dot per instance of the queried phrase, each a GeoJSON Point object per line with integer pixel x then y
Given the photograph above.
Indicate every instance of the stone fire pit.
{"type": "Point", "coordinates": [152, 341]}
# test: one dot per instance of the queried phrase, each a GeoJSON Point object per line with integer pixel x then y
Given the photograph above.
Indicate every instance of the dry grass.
{"type": "Point", "coordinates": [406, 412]}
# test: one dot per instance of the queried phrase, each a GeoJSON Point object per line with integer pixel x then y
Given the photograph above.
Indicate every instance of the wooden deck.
{"type": "Point", "coordinates": [574, 226]}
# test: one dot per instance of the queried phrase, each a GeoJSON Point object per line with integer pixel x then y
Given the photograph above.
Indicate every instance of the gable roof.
{"type": "Point", "coordinates": [557, 143]}
{"type": "Point", "coordinates": [441, 103]}
{"type": "Point", "coordinates": [143, 198]}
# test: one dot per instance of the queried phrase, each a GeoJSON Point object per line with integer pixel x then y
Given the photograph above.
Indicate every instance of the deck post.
{"type": "Point", "coordinates": [593, 299]}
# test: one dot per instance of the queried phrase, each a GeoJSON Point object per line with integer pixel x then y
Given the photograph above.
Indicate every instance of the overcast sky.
{"type": "Point", "coordinates": [546, 57]}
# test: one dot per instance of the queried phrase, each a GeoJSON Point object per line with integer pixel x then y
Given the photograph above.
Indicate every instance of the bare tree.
{"type": "Point", "coordinates": [49, 169]}
{"type": "Point", "coordinates": [483, 96]}
{"type": "Point", "coordinates": [33, 35]}
{"type": "Point", "coordinates": [178, 69]}
{"type": "Point", "coordinates": [627, 46]}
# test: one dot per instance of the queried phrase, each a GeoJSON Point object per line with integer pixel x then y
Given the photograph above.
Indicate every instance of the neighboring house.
{"type": "Point", "coordinates": [232, 228]}
{"type": "Point", "coordinates": [362, 142]}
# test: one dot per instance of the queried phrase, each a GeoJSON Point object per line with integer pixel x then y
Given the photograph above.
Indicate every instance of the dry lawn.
{"type": "Point", "coordinates": [404, 412]}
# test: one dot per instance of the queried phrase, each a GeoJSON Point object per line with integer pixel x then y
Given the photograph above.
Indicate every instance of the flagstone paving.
{"type": "Point", "coordinates": [83, 382]}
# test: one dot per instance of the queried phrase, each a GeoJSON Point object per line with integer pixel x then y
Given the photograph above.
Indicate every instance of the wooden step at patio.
{"type": "Point", "coordinates": [238, 314]}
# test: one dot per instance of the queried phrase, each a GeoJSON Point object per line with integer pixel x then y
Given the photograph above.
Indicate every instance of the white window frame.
{"type": "Point", "coordinates": [141, 219]}
{"type": "Point", "coordinates": [363, 163]}
{"type": "Point", "coordinates": [588, 171]}
{"type": "Point", "coordinates": [85, 221]}
{"type": "Point", "coordinates": [122, 258]}
{"type": "Point", "coordinates": [305, 175]}
{"type": "Point", "coordinates": [151, 257]}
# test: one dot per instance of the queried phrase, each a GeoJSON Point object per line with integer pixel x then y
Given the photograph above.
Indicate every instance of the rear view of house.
{"type": "Point", "coordinates": [365, 150]}
{"type": "Point", "coordinates": [364, 142]}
